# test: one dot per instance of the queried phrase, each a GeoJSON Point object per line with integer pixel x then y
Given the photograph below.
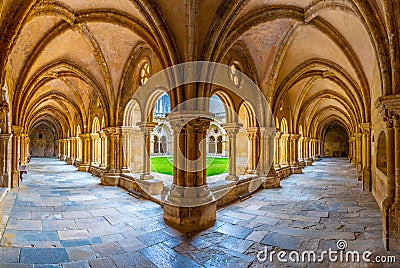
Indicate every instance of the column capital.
{"type": "Point", "coordinates": [306, 139]}
{"type": "Point", "coordinates": [5, 136]}
{"type": "Point", "coordinates": [232, 127]}
{"type": "Point", "coordinates": [94, 135]}
{"type": "Point", "coordinates": [285, 136]}
{"type": "Point", "coordinates": [357, 135]}
{"type": "Point", "coordinates": [17, 130]}
{"type": "Point", "coordinates": [389, 107]}
{"type": "Point", "coordinates": [191, 121]}
{"type": "Point", "coordinates": [102, 134]}
{"type": "Point", "coordinates": [295, 136]}
{"type": "Point", "coordinates": [365, 127]}
{"type": "Point", "coordinates": [147, 126]}
{"type": "Point", "coordinates": [85, 136]}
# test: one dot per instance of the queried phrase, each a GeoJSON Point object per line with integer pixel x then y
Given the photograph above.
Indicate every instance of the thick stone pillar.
{"type": "Point", "coordinates": [113, 170]}
{"type": "Point", "coordinates": [277, 150]}
{"type": "Point", "coordinates": [5, 160]}
{"type": "Point", "coordinates": [86, 152]}
{"type": "Point", "coordinates": [396, 159]}
{"type": "Point", "coordinates": [294, 154]}
{"type": "Point", "coordinates": [389, 106]}
{"type": "Point", "coordinates": [232, 129]}
{"type": "Point", "coordinates": [366, 156]}
{"type": "Point", "coordinates": [391, 185]}
{"type": "Point", "coordinates": [16, 140]}
{"type": "Point", "coordinates": [190, 205]}
{"type": "Point", "coordinates": [147, 128]}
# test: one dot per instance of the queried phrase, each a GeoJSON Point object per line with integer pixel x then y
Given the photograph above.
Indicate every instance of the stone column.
{"type": "Point", "coordinates": [123, 140]}
{"type": "Point", "coordinates": [5, 160]}
{"type": "Point", "coordinates": [366, 153]}
{"type": "Point", "coordinates": [396, 160]}
{"type": "Point", "coordinates": [16, 140]}
{"type": "Point", "coordinates": [69, 145]}
{"type": "Point", "coordinates": [112, 171]}
{"type": "Point", "coordinates": [265, 168]}
{"type": "Point", "coordinates": [147, 128]}
{"type": "Point", "coordinates": [359, 155]}
{"type": "Point", "coordinates": [350, 149]}
{"type": "Point", "coordinates": [294, 152]}
{"type": "Point", "coordinates": [277, 149]}
{"type": "Point", "coordinates": [252, 135]}
{"type": "Point", "coordinates": [389, 107]}
{"type": "Point", "coordinates": [284, 149]}
{"type": "Point", "coordinates": [72, 151]}
{"type": "Point", "coordinates": [307, 154]}
{"type": "Point", "coordinates": [93, 140]}
{"type": "Point", "coordinates": [24, 148]}
{"type": "Point", "coordinates": [190, 205]}
{"type": "Point", "coordinates": [232, 129]}
{"type": "Point", "coordinates": [103, 137]}
{"type": "Point", "coordinates": [86, 152]}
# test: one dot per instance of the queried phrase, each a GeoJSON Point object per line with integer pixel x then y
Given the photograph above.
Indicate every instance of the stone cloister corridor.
{"type": "Point", "coordinates": [63, 217]}
{"type": "Point", "coordinates": [194, 106]}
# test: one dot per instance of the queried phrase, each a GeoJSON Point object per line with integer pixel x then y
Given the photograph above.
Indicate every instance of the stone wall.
{"type": "Point", "coordinates": [42, 142]}
{"type": "Point", "coordinates": [336, 142]}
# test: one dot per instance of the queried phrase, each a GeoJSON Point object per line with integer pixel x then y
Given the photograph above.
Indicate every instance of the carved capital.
{"type": "Point", "coordinates": [17, 130]}
{"type": "Point", "coordinates": [389, 107]}
{"type": "Point", "coordinates": [365, 128]}
{"type": "Point", "coordinates": [232, 128]}
{"type": "Point", "coordinates": [4, 109]}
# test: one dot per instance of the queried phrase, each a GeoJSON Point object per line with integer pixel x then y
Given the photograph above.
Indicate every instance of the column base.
{"type": "Point", "coordinates": [232, 178]}
{"type": "Point", "coordinates": [83, 167]}
{"type": "Point", "coordinates": [151, 186]}
{"type": "Point", "coordinates": [16, 176]}
{"type": "Point", "coordinates": [109, 180]}
{"type": "Point", "coordinates": [70, 161]}
{"type": "Point", "coordinates": [366, 178]}
{"type": "Point", "coordinates": [190, 209]}
{"type": "Point", "coordinates": [271, 182]}
{"type": "Point", "coordinates": [308, 162]}
{"type": "Point", "coordinates": [296, 169]}
{"type": "Point", "coordinates": [146, 177]}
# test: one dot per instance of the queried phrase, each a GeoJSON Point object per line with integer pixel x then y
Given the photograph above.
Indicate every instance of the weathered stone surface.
{"type": "Point", "coordinates": [117, 230]}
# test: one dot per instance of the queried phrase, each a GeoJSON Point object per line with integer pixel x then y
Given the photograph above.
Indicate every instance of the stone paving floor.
{"type": "Point", "coordinates": [64, 218]}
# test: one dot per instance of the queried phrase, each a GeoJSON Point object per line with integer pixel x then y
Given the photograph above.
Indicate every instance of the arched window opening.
{"type": "Point", "coordinates": [219, 145]}
{"type": "Point", "coordinates": [145, 73]}
{"type": "Point", "coordinates": [211, 145]}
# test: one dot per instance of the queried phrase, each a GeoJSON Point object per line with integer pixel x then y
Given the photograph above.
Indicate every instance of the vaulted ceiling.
{"type": "Point", "coordinates": [321, 60]}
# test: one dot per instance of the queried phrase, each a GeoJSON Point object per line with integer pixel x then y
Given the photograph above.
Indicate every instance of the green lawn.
{"type": "Point", "coordinates": [215, 166]}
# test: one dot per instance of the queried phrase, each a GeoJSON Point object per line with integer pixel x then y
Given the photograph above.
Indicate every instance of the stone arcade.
{"type": "Point", "coordinates": [79, 82]}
